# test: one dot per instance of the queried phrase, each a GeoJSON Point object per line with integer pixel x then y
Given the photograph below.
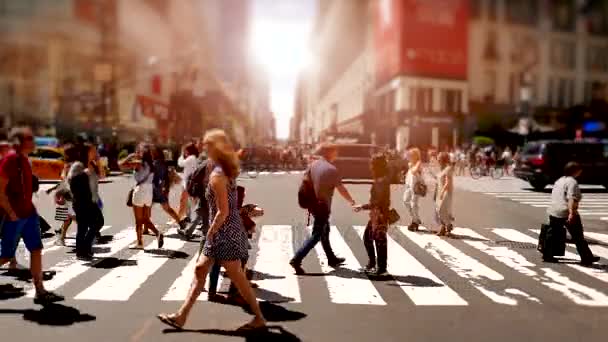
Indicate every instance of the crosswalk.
{"type": "Point", "coordinates": [495, 265]}
{"type": "Point", "coordinates": [593, 205]}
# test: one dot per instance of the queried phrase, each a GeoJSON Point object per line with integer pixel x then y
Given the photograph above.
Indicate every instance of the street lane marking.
{"type": "Point", "coordinates": [517, 236]}
{"type": "Point", "coordinates": [578, 293]}
{"type": "Point", "coordinates": [479, 275]}
{"type": "Point", "coordinates": [181, 286]}
{"type": "Point", "coordinates": [50, 246]}
{"type": "Point", "coordinates": [275, 249]}
{"type": "Point", "coordinates": [346, 289]}
{"type": "Point", "coordinates": [597, 250]}
{"type": "Point", "coordinates": [71, 268]}
{"type": "Point", "coordinates": [123, 281]}
{"type": "Point", "coordinates": [598, 236]}
{"type": "Point", "coordinates": [406, 266]}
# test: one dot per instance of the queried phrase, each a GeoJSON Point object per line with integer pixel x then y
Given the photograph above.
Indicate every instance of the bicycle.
{"type": "Point", "coordinates": [495, 171]}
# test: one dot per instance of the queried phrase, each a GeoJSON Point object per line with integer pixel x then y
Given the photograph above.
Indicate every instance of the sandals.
{"type": "Point", "coordinates": [170, 321]}
{"type": "Point", "coordinates": [47, 297]}
{"type": "Point", "coordinates": [160, 240]}
{"type": "Point", "coordinates": [251, 327]}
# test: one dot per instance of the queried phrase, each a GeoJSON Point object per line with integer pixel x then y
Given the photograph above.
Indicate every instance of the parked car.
{"type": "Point", "coordinates": [353, 162]}
{"type": "Point", "coordinates": [47, 163]}
{"type": "Point", "coordinates": [542, 162]}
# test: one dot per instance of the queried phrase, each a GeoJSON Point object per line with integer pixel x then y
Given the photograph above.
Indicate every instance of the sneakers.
{"type": "Point", "coordinates": [369, 268]}
{"type": "Point", "coordinates": [590, 261]}
{"type": "Point", "coordinates": [336, 262]}
{"type": "Point", "coordinates": [297, 267]}
{"type": "Point", "coordinates": [47, 297]}
{"type": "Point", "coordinates": [160, 240]}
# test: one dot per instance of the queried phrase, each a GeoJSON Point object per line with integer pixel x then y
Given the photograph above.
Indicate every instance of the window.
{"type": "Point", "coordinates": [421, 99]}
{"type": "Point", "coordinates": [597, 17]}
{"type": "Point", "coordinates": [476, 9]}
{"type": "Point", "coordinates": [490, 52]}
{"type": "Point", "coordinates": [597, 58]}
{"type": "Point", "coordinates": [564, 96]}
{"type": "Point", "coordinates": [451, 100]}
{"type": "Point", "coordinates": [489, 87]}
{"type": "Point", "coordinates": [563, 54]}
{"type": "Point", "coordinates": [563, 15]}
{"type": "Point", "coordinates": [493, 9]}
{"type": "Point", "coordinates": [522, 12]}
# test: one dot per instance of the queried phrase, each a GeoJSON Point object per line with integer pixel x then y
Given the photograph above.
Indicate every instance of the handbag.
{"type": "Point", "coordinates": [393, 216]}
{"type": "Point", "coordinates": [420, 188]}
{"type": "Point", "coordinates": [130, 198]}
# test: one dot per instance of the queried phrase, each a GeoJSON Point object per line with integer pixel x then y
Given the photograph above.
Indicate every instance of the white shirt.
{"type": "Point", "coordinates": [564, 190]}
{"type": "Point", "coordinates": [188, 164]}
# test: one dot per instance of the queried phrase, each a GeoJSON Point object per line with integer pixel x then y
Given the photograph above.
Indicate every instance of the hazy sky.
{"type": "Point", "coordinates": [279, 40]}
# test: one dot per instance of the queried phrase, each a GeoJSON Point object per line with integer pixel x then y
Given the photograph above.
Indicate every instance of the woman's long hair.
{"type": "Point", "coordinates": [146, 156]}
{"type": "Point", "coordinates": [226, 156]}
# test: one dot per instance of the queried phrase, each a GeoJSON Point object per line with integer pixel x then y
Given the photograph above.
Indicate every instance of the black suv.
{"type": "Point", "coordinates": [542, 162]}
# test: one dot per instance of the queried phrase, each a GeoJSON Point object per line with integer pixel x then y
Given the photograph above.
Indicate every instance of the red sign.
{"type": "Point", "coordinates": [421, 38]}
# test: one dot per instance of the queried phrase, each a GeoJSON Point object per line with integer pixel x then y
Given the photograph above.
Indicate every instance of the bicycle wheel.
{"type": "Point", "coordinates": [476, 172]}
{"type": "Point", "coordinates": [497, 172]}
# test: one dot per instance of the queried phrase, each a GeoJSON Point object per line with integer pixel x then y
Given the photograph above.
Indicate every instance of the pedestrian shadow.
{"type": "Point", "coordinates": [11, 295]}
{"type": "Point", "coordinates": [271, 296]}
{"type": "Point", "coordinates": [111, 263]}
{"type": "Point", "coordinates": [105, 239]}
{"type": "Point", "coordinates": [174, 236]}
{"type": "Point", "coordinates": [568, 261]}
{"type": "Point", "coordinates": [47, 235]}
{"type": "Point", "coordinates": [53, 315]}
{"type": "Point", "coordinates": [257, 275]}
{"type": "Point", "coordinates": [167, 253]}
{"type": "Point", "coordinates": [24, 274]}
{"type": "Point", "coordinates": [400, 279]}
{"type": "Point", "coordinates": [273, 312]}
{"type": "Point", "coordinates": [105, 181]}
{"type": "Point", "coordinates": [271, 334]}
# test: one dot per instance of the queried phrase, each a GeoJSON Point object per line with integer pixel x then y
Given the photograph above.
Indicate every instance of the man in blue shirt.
{"type": "Point", "coordinates": [325, 179]}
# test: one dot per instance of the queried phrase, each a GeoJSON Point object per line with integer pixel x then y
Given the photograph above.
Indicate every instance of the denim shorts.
{"type": "Point", "coordinates": [27, 229]}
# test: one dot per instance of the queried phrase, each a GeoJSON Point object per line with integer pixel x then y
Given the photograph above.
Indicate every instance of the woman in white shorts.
{"type": "Point", "coordinates": [142, 199]}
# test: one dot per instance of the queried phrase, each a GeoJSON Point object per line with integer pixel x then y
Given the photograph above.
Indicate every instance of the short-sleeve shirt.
{"type": "Point", "coordinates": [564, 190]}
{"type": "Point", "coordinates": [16, 168]}
{"type": "Point", "coordinates": [325, 178]}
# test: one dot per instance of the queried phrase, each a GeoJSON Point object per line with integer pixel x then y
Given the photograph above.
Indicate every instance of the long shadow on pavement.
{"type": "Point", "coordinates": [53, 314]}
{"type": "Point", "coordinates": [273, 333]}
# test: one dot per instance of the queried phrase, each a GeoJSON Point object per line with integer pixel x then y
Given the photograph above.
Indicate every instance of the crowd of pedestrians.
{"type": "Point", "coordinates": [209, 189]}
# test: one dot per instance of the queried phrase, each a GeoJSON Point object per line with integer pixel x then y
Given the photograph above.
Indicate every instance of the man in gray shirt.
{"type": "Point", "coordinates": [325, 179]}
{"type": "Point", "coordinates": [563, 212]}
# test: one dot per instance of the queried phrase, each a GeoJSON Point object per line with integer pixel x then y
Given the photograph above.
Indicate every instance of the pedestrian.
{"type": "Point", "coordinates": [64, 209]}
{"type": "Point", "coordinates": [21, 219]}
{"type": "Point", "coordinates": [161, 186]}
{"type": "Point", "coordinates": [95, 171]}
{"type": "Point", "coordinates": [325, 179]}
{"type": "Point", "coordinates": [142, 196]}
{"type": "Point", "coordinates": [411, 196]}
{"type": "Point", "coordinates": [188, 160]}
{"type": "Point", "coordinates": [226, 239]}
{"type": "Point", "coordinates": [563, 212]}
{"type": "Point", "coordinates": [89, 218]}
{"type": "Point", "coordinates": [374, 237]}
{"type": "Point", "coordinates": [443, 195]}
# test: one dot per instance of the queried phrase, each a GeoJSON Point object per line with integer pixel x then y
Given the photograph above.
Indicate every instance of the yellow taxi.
{"type": "Point", "coordinates": [47, 163]}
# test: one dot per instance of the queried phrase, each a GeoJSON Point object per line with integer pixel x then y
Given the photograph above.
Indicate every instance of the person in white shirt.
{"type": "Point", "coordinates": [507, 158]}
{"type": "Point", "coordinates": [188, 161]}
{"type": "Point", "coordinates": [563, 212]}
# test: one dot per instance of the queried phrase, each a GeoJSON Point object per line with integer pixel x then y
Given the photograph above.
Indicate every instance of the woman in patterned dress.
{"type": "Point", "coordinates": [226, 239]}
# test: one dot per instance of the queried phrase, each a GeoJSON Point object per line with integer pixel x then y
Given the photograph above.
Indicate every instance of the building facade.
{"type": "Point", "coordinates": [432, 69]}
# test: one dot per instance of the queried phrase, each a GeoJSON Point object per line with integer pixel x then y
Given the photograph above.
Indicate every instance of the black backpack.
{"type": "Point", "coordinates": [195, 184]}
{"type": "Point", "coordinates": [307, 199]}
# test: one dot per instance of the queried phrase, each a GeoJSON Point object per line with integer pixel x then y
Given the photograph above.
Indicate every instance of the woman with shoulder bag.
{"type": "Point", "coordinates": [414, 188]}
{"type": "Point", "coordinates": [377, 226]}
{"type": "Point", "coordinates": [141, 198]}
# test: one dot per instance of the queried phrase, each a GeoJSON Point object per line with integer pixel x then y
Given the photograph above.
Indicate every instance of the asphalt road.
{"type": "Point", "coordinates": [487, 284]}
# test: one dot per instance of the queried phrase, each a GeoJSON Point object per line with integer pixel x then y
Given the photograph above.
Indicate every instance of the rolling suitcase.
{"type": "Point", "coordinates": [552, 240]}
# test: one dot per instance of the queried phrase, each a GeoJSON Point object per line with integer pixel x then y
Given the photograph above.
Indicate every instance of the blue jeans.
{"type": "Point", "coordinates": [320, 232]}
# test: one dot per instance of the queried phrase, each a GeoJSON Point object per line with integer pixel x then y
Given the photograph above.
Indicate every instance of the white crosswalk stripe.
{"type": "Point", "coordinates": [408, 266]}
{"type": "Point", "coordinates": [592, 205]}
{"type": "Point", "coordinates": [418, 283]}
{"type": "Point", "coordinates": [343, 290]}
